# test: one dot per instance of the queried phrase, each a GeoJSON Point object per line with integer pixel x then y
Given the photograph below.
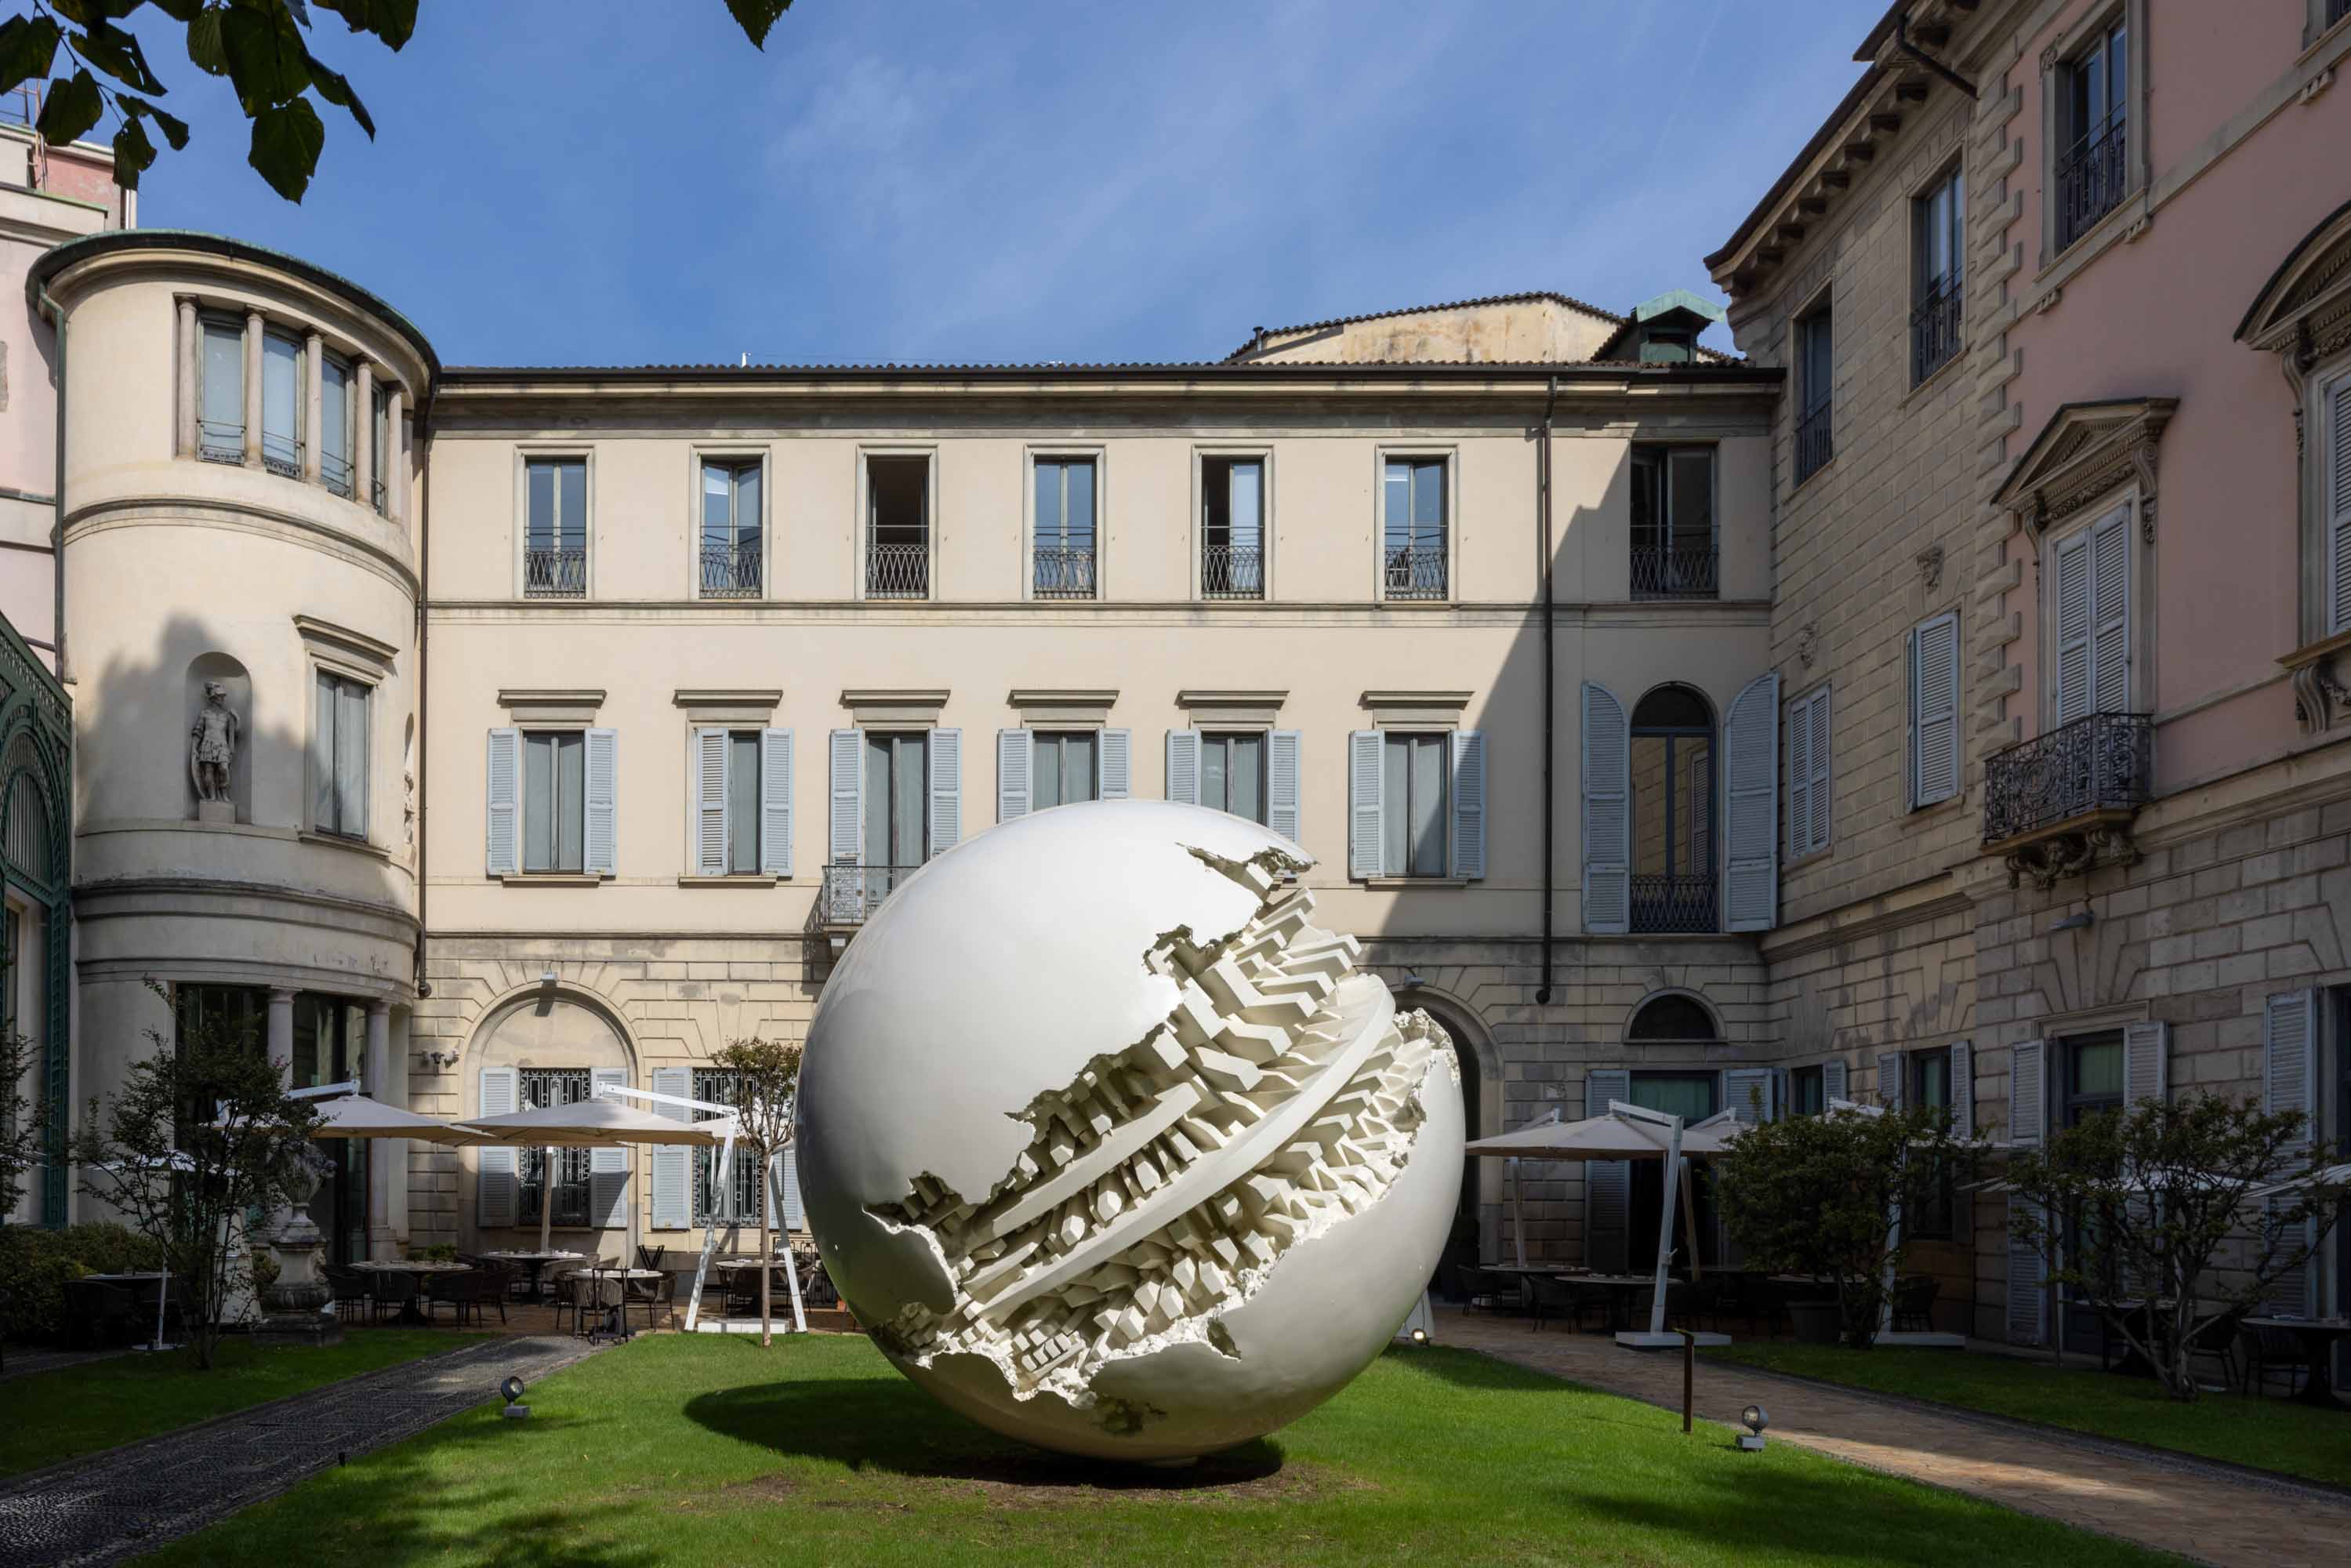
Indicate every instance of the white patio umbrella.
{"type": "Point", "coordinates": [597, 1123]}
{"type": "Point", "coordinates": [2335, 1179]}
{"type": "Point", "coordinates": [358, 1117]}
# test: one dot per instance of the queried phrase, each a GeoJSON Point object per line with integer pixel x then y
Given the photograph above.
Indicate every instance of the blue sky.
{"type": "Point", "coordinates": [561, 182]}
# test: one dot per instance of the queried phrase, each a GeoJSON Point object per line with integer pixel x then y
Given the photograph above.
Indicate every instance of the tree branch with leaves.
{"type": "Point", "coordinates": [766, 1078]}
{"type": "Point", "coordinates": [94, 65]}
{"type": "Point", "coordinates": [22, 1131]}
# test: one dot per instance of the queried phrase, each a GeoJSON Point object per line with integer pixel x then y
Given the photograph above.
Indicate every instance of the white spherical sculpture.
{"type": "Point", "coordinates": [1114, 1149]}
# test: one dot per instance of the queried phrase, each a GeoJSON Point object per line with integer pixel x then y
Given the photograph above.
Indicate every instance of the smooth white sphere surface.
{"type": "Point", "coordinates": [1111, 1147]}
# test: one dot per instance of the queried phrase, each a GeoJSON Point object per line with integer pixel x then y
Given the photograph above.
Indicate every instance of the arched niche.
{"type": "Point", "coordinates": [203, 669]}
{"type": "Point", "coordinates": [548, 1031]}
{"type": "Point", "coordinates": [1673, 1016]}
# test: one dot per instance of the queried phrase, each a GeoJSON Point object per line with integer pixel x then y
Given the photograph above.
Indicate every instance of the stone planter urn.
{"type": "Point", "coordinates": [297, 1304]}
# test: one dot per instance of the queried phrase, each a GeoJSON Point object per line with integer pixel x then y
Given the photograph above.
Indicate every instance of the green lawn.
{"type": "Point", "coordinates": [2270, 1434]}
{"type": "Point", "coordinates": [690, 1449]}
{"type": "Point", "coordinates": [54, 1416]}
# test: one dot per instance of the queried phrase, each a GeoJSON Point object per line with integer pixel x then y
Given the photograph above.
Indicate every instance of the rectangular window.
{"type": "Point", "coordinates": [1938, 248]}
{"type": "Point", "coordinates": [1413, 793]}
{"type": "Point", "coordinates": [555, 542]}
{"type": "Point", "coordinates": [742, 801]}
{"type": "Point", "coordinates": [1674, 543]}
{"type": "Point", "coordinates": [339, 767]}
{"type": "Point", "coordinates": [897, 526]}
{"type": "Point", "coordinates": [379, 445]}
{"type": "Point", "coordinates": [554, 799]}
{"type": "Point", "coordinates": [1808, 784]}
{"type": "Point", "coordinates": [281, 404]}
{"type": "Point", "coordinates": [1930, 1086]}
{"type": "Point", "coordinates": [739, 1204]}
{"type": "Point", "coordinates": [2090, 610]}
{"type": "Point", "coordinates": [897, 791]}
{"type": "Point", "coordinates": [1412, 536]}
{"type": "Point", "coordinates": [2093, 94]}
{"type": "Point", "coordinates": [1232, 773]}
{"type": "Point", "coordinates": [1816, 386]}
{"type": "Point", "coordinates": [1062, 768]}
{"type": "Point", "coordinates": [220, 425]}
{"type": "Point", "coordinates": [1232, 528]}
{"type": "Point", "coordinates": [335, 424]}
{"type": "Point", "coordinates": [731, 536]}
{"type": "Point", "coordinates": [541, 1087]}
{"type": "Point", "coordinates": [1063, 561]}
{"type": "Point", "coordinates": [1808, 1090]}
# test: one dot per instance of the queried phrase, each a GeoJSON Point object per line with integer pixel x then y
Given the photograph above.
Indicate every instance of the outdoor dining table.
{"type": "Point", "coordinates": [615, 1313]}
{"type": "Point", "coordinates": [1621, 1289]}
{"type": "Point", "coordinates": [535, 1262]}
{"type": "Point", "coordinates": [408, 1312]}
{"type": "Point", "coordinates": [2318, 1336]}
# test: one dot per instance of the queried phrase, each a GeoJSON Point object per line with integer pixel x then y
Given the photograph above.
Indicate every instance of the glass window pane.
{"type": "Point", "coordinates": [539, 802]}
{"type": "Point", "coordinates": [746, 518]}
{"type": "Point", "coordinates": [2098, 1068]}
{"type": "Point", "coordinates": [1212, 749]}
{"type": "Point", "coordinates": [879, 755]}
{"type": "Point", "coordinates": [573, 485]}
{"type": "Point", "coordinates": [1693, 497]}
{"type": "Point", "coordinates": [1049, 506]}
{"type": "Point", "coordinates": [322, 755]}
{"type": "Point", "coordinates": [1246, 778]}
{"type": "Point", "coordinates": [281, 396]}
{"type": "Point", "coordinates": [717, 506]}
{"type": "Point", "coordinates": [1933, 1076]}
{"type": "Point", "coordinates": [2117, 74]}
{"type": "Point", "coordinates": [1078, 516]}
{"type": "Point", "coordinates": [350, 758]}
{"type": "Point", "coordinates": [1077, 766]}
{"type": "Point", "coordinates": [1246, 495]}
{"type": "Point", "coordinates": [541, 488]}
{"type": "Point", "coordinates": [1398, 511]}
{"type": "Point", "coordinates": [1395, 805]}
{"type": "Point", "coordinates": [1428, 805]}
{"type": "Point", "coordinates": [223, 383]}
{"type": "Point", "coordinates": [1428, 505]}
{"type": "Point", "coordinates": [743, 800]}
{"type": "Point", "coordinates": [909, 780]}
{"type": "Point", "coordinates": [1687, 1096]}
{"type": "Point", "coordinates": [1044, 772]}
{"type": "Point", "coordinates": [335, 421]}
{"type": "Point", "coordinates": [570, 798]}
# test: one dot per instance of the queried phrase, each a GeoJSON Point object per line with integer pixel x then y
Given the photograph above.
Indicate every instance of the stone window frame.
{"type": "Point", "coordinates": [1449, 452]}
{"type": "Point", "coordinates": [735, 453]}
{"type": "Point", "coordinates": [2315, 26]}
{"type": "Point", "coordinates": [860, 532]}
{"type": "Point", "coordinates": [1093, 452]}
{"type": "Point", "coordinates": [366, 660]}
{"type": "Point", "coordinates": [2131, 208]}
{"type": "Point", "coordinates": [525, 454]}
{"type": "Point", "coordinates": [1262, 454]}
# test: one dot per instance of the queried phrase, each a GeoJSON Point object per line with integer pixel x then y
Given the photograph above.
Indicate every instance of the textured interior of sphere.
{"type": "Point", "coordinates": [1114, 1148]}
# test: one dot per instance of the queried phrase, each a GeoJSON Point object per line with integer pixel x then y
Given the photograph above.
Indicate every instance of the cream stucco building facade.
{"type": "Point", "coordinates": [586, 712]}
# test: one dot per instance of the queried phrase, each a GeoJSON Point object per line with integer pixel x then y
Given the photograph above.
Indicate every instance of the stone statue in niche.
{"type": "Point", "coordinates": [212, 751]}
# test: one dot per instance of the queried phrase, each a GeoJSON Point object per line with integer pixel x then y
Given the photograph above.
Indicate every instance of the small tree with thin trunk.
{"type": "Point", "coordinates": [22, 1129]}
{"type": "Point", "coordinates": [2146, 1215]}
{"type": "Point", "coordinates": [766, 1076]}
{"type": "Point", "coordinates": [201, 1134]}
{"type": "Point", "coordinates": [1821, 1194]}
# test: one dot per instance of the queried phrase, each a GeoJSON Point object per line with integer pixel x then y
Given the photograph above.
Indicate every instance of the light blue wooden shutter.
{"type": "Point", "coordinates": [607, 1171]}
{"type": "Point", "coordinates": [1365, 839]}
{"type": "Point", "coordinates": [2290, 1083]}
{"type": "Point", "coordinates": [710, 802]}
{"type": "Point", "coordinates": [1751, 786]}
{"type": "Point", "coordinates": [1184, 766]}
{"type": "Point", "coordinates": [1117, 764]}
{"type": "Point", "coordinates": [784, 1191]}
{"type": "Point", "coordinates": [1890, 1080]}
{"type": "Point", "coordinates": [1282, 783]}
{"type": "Point", "coordinates": [2028, 1271]}
{"type": "Point", "coordinates": [496, 1190]}
{"type": "Point", "coordinates": [1963, 1091]}
{"type": "Point", "coordinates": [1607, 813]}
{"type": "Point", "coordinates": [2069, 676]}
{"type": "Point", "coordinates": [505, 833]}
{"type": "Point", "coordinates": [1833, 1081]}
{"type": "Point", "coordinates": [1747, 1093]}
{"type": "Point", "coordinates": [1016, 755]}
{"type": "Point", "coordinates": [946, 789]}
{"type": "Point", "coordinates": [1607, 1183]}
{"type": "Point", "coordinates": [1935, 710]}
{"type": "Point", "coordinates": [1470, 803]}
{"type": "Point", "coordinates": [2336, 494]}
{"type": "Point", "coordinates": [2147, 1061]}
{"type": "Point", "coordinates": [845, 782]}
{"type": "Point", "coordinates": [2110, 597]}
{"type": "Point", "coordinates": [601, 854]}
{"type": "Point", "coordinates": [673, 1163]}
{"type": "Point", "coordinates": [776, 802]}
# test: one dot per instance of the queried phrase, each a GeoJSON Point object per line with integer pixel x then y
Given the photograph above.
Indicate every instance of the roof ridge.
{"type": "Point", "coordinates": [1550, 293]}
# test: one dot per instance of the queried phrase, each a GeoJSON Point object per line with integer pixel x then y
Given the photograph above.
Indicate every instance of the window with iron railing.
{"type": "Point", "coordinates": [1414, 536]}
{"type": "Point", "coordinates": [2092, 172]}
{"type": "Point", "coordinates": [732, 535]}
{"type": "Point", "coordinates": [555, 541]}
{"type": "Point", "coordinates": [1815, 440]}
{"type": "Point", "coordinates": [897, 526]}
{"type": "Point", "coordinates": [2100, 762]}
{"type": "Point", "coordinates": [1674, 542]}
{"type": "Point", "coordinates": [740, 1201]}
{"type": "Point", "coordinates": [541, 1087]}
{"type": "Point", "coordinates": [335, 414]}
{"type": "Point", "coordinates": [1938, 245]}
{"type": "Point", "coordinates": [1671, 775]}
{"type": "Point", "coordinates": [1062, 563]}
{"type": "Point", "coordinates": [1232, 528]}
{"type": "Point", "coordinates": [220, 419]}
{"type": "Point", "coordinates": [281, 404]}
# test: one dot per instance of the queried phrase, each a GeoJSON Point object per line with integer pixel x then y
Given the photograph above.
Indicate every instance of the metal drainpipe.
{"type": "Point", "coordinates": [56, 315]}
{"type": "Point", "coordinates": [421, 510]}
{"type": "Point", "coordinates": [1550, 703]}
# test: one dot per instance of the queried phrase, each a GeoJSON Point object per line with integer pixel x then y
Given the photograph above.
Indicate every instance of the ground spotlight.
{"type": "Point", "coordinates": [1754, 1419]}
{"type": "Point", "coordinates": [511, 1390]}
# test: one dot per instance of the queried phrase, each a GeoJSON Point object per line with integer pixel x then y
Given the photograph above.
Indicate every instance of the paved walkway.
{"type": "Point", "coordinates": [2199, 1510]}
{"type": "Point", "coordinates": [26, 1361]}
{"type": "Point", "coordinates": [132, 1499]}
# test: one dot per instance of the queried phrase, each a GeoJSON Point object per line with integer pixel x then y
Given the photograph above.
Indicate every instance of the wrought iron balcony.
{"type": "Point", "coordinates": [1232, 571]}
{"type": "Point", "coordinates": [281, 455]}
{"type": "Point", "coordinates": [1660, 573]}
{"type": "Point", "coordinates": [1673, 905]}
{"type": "Point", "coordinates": [558, 573]}
{"type": "Point", "coordinates": [1065, 571]}
{"type": "Point", "coordinates": [335, 472]}
{"type": "Point", "coordinates": [1815, 442]}
{"type": "Point", "coordinates": [730, 571]}
{"type": "Point", "coordinates": [852, 893]}
{"type": "Point", "coordinates": [2062, 802]}
{"type": "Point", "coordinates": [897, 572]}
{"type": "Point", "coordinates": [217, 442]}
{"type": "Point", "coordinates": [2091, 177]}
{"type": "Point", "coordinates": [1935, 331]}
{"type": "Point", "coordinates": [1415, 573]}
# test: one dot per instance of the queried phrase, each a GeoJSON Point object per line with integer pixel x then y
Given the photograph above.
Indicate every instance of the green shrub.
{"type": "Point", "coordinates": [34, 1264]}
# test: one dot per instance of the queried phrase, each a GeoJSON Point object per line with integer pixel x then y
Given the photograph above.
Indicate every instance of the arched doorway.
{"type": "Point", "coordinates": [549, 1049]}
{"type": "Point", "coordinates": [1666, 1043]}
{"type": "Point", "coordinates": [1672, 805]}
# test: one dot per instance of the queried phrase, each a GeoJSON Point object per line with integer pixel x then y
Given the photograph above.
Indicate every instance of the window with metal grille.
{"type": "Point", "coordinates": [1413, 540]}
{"type": "Point", "coordinates": [220, 417]}
{"type": "Point", "coordinates": [1062, 563]}
{"type": "Point", "coordinates": [281, 403]}
{"type": "Point", "coordinates": [1674, 546]}
{"type": "Point", "coordinates": [540, 1087]}
{"type": "Point", "coordinates": [743, 1198]}
{"type": "Point", "coordinates": [1672, 800]}
{"type": "Point", "coordinates": [554, 544]}
{"type": "Point", "coordinates": [335, 428]}
{"type": "Point", "coordinates": [1232, 528]}
{"type": "Point", "coordinates": [1816, 388]}
{"type": "Point", "coordinates": [2093, 170]}
{"type": "Point", "coordinates": [731, 532]}
{"type": "Point", "coordinates": [897, 526]}
{"type": "Point", "coordinates": [1937, 247]}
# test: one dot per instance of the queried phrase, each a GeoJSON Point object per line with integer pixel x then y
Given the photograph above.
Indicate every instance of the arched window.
{"type": "Point", "coordinates": [1672, 1017]}
{"type": "Point", "coordinates": [1673, 812]}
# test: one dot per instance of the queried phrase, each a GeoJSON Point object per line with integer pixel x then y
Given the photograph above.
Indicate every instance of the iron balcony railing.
{"type": "Point", "coordinates": [1673, 904]}
{"type": "Point", "coordinates": [1415, 573]}
{"type": "Point", "coordinates": [220, 442]}
{"type": "Point", "coordinates": [559, 573]}
{"type": "Point", "coordinates": [852, 893]}
{"type": "Point", "coordinates": [730, 571]}
{"type": "Point", "coordinates": [2090, 180]}
{"type": "Point", "coordinates": [1662, 573]}
{"type": "Point", "coordinates": [281, 455]}
{"type": "Point", "coordinates": [375, 494]}
{"type": "Point", "coordinates": [1815, 444]}
{"type": "Point", "coordinates": [2101, 763]}
{"type": "Point", "coordinates": [336, 474]}
{"type": "Point", "coordinates": [1935, 331]}
{"type": "Point", "coordinates": [1232, 571]}
{"type": "Point", "coordinates": [1065, 571]}
{"type": "Point", "coordinates": [897, 572]}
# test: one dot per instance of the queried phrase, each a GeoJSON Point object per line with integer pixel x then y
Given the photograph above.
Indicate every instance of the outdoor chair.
{"type": "Point", "coordinates": [2275, 1352]}
{"type": "Point", "coordinates": [655, 1295]}
{"type": "Point", "coordinates": [145, 1296]}
{"type": "Point", "coordinates": [351, 1290]}
{"type": "Point", "coordinates": [1552, 1299]}
{"type": "Point", "coordinates": [460, 1293]}
{"type": "Point", "coordinates": [572, 1292]}
{"type": "Point", "coordinates": [651, 1257]}
{"type": "Point", "coordinates": [742, 1291]}
{"type": "Point", "coordinates": [394, 1291]}
{"type": "Point", "coordinates": [99, 1314]}
{"type": "Point", "coordinates": [1481, 1289]}
{"type": "Point", "coordinates": [1914, 1304]}
{"type": "Point", "coordinates": [2218, 1340]}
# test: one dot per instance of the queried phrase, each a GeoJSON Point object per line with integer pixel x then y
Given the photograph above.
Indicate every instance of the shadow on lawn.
{"type": "Point", "coordinates": [895, 1429]}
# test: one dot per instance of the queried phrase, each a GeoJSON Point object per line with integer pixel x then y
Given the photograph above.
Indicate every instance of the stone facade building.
{"type": "Point", "coordinates": [2088, 807]}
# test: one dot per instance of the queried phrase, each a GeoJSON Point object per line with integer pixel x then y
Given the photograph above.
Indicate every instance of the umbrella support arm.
{"type": "Point", "coordinates": [710, 1233]}
{"type": "Point", "coordinates": [1665, 1224]}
